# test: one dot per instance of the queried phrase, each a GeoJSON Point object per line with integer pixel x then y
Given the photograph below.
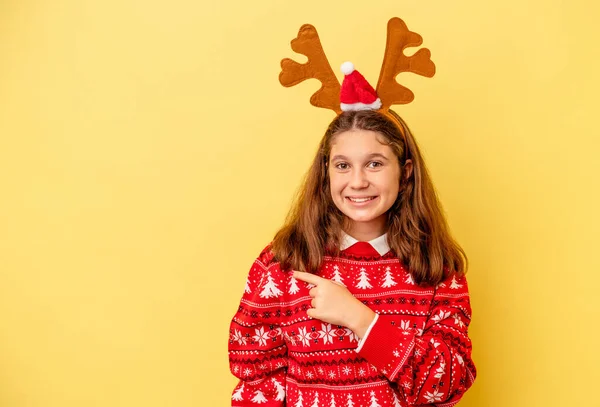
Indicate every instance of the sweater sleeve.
{"type": "Point", "coordinates": [257, 351]}
{"type": "Point", "coordinates": [432, 365]}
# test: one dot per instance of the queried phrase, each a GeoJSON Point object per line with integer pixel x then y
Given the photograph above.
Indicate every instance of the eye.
{"type": "Point", "coordinates": [341, 166]}
{"type": "Point", "coordinates": [375, 164]}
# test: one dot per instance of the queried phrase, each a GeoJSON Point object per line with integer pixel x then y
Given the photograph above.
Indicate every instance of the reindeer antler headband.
{"type": "Point", "coordinates": [355, 92]}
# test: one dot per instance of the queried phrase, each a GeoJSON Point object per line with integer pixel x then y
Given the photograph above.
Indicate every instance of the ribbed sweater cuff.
{"type": "Point", "coordinates": [386, 346]}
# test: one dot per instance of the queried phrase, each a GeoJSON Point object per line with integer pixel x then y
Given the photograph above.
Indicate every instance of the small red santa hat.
{"type": "Point", "coordinates": [356, 93]}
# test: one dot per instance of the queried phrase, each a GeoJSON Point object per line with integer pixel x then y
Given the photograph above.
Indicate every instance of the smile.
{"type": "Point", "coordinates": [361, 200]}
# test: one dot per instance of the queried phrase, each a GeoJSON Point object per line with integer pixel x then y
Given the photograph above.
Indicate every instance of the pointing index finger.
{"type": "Point", "coordinates": [307, 277]}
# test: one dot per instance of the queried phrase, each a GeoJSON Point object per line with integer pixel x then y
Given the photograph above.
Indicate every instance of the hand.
{"type": "Point", "coordinates": [333, 303]}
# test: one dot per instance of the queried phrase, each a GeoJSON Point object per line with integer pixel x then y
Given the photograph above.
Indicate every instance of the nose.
{"type": "Point", "coordinates": [358, 179]}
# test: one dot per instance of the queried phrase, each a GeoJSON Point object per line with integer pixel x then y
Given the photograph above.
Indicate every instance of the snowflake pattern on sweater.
{"type": "Point", "coordinates": [417, 352]}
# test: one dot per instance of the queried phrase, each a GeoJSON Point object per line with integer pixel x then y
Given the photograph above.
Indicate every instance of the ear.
{"type": "Point", "coordinates": [408, 168]}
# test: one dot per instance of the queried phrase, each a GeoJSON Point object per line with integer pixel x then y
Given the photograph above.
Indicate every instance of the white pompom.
{"type": "Point", "coordinates": [347, 68]}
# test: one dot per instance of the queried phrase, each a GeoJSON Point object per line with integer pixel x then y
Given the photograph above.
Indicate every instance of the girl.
{"type": "Point", "coordinates": [361, 298]}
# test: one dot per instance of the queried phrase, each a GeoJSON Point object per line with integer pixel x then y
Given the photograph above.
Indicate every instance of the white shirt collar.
{"type": "Point", "coordinates": [380, 243]}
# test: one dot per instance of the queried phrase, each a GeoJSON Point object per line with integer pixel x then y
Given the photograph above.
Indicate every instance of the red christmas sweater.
{"type": "Point", "coordinates": [416, 352]}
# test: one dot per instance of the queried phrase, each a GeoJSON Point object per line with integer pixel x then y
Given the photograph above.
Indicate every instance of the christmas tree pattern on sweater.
{"type": "Point", "coordinates": [417, 352]}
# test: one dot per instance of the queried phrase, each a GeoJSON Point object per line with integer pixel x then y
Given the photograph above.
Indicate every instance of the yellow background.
{"type": "Point", "coordinates": [148, 153]}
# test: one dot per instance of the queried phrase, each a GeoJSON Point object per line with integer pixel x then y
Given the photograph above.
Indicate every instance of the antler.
{"type": "Point", "coordinates": [307, 43]}
{"type": "Point", "coordinates": [394, 62]}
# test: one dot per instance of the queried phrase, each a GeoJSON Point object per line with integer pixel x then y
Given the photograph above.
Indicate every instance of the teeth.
{"type": "Point", "coordinates": [359, 200]}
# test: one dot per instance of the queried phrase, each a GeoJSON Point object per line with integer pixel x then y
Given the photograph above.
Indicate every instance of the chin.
{"type": "Point", "coordinates": [362, 218]}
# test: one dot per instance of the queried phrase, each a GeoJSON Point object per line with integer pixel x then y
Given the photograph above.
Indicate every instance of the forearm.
{"type": "Point", "coordinates": [361, 320]}
{"type": "Point", "coordinates": [434, 366]}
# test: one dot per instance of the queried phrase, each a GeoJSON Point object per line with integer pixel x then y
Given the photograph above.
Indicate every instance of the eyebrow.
{"type": "Point", "coordinates": [374, 155]}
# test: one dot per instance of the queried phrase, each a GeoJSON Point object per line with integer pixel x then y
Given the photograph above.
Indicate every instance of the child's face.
{"type": "Point", "coordinates": [364, 176]}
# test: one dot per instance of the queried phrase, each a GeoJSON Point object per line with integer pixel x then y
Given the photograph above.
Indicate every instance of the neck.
{"type": "Point", "coordinates": [365, 231]}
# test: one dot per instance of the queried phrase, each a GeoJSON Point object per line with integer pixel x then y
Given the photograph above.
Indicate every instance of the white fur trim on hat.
{"type": "Point", "coordinates": [347, 107]}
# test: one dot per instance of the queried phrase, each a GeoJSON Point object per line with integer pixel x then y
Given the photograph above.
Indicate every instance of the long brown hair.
{"type": "Point", "coordinates": [417, 229]}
